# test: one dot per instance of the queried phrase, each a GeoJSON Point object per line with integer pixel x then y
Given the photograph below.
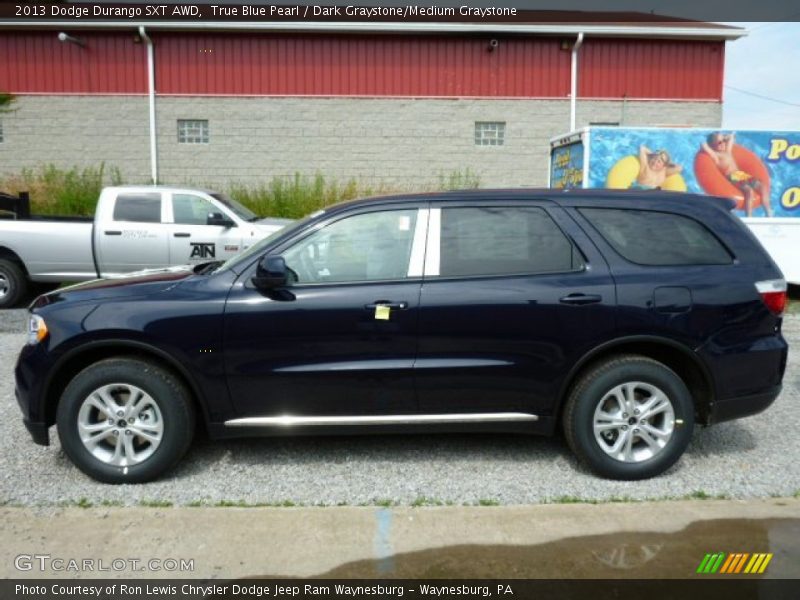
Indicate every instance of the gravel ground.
{"type": "Point", "coordinates": [754, 457]}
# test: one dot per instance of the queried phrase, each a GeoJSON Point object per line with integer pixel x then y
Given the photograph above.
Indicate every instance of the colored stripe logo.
{"type": "Point", "coordinates": [734, 563]}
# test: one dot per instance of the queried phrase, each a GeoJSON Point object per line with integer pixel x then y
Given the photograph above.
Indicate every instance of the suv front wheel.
{"type": "Point", "coordinates": [125, 420]}
{"type": "Point", "coordinates": [629, 418]}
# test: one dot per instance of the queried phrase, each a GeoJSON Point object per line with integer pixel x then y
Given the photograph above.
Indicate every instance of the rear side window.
{"type": "Point", "coordinates": [647, 237]}
{"type": "Point", "coordinates": [503, 241]}
{"type": "Point", "coordinates": [140, 208]}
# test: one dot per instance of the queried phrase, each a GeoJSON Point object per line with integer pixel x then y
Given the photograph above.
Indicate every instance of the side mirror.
{"type": "Point", "coordinates": [219, 219]}
{"type": "Point", "coordinates": [271, 273]}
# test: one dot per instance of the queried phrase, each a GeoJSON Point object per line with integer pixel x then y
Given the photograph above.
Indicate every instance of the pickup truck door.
{"type": "Point", "coordinates": [131, 236]}
{"type": "Point", "coordinates": [191, 239]}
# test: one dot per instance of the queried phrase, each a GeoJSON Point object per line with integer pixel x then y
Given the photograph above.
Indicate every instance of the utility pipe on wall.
{"type": "Point", "coordinates": [573, 88]}
{"type": "Point", "coordinates": [151, 94]}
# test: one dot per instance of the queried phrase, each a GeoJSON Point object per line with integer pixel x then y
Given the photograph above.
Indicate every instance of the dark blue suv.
{"type": "Point", "coordinates": [622, 319]}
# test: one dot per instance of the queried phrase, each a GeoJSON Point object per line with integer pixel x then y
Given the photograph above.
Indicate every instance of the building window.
{"type": "Point", "coordinates": [603, 123]}
{"type": "Point", "coordinates": [192, 131]}
{"type": "Point", "coordinates": [1, 132]}
{"type": "Point", "coordinates": [490, 133]}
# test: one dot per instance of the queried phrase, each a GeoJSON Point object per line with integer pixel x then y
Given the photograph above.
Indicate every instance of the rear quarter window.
{"type": "Point", "coordinates": [648, 237]}
{"type": "Point", "coordinates": [139, 208]}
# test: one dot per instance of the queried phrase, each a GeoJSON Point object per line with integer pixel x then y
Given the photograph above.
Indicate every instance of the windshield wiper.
{"type": "Point", "coordinates": [208, 267]}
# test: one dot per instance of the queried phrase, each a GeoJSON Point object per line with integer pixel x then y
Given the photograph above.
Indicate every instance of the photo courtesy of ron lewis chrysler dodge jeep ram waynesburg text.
{"type": "Point", "coordinates": [134, 228]}
{"type": "Point", "coordinates": [622, 318]}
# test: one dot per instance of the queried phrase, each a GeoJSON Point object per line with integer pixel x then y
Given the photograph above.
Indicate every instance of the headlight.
{"type": "Point", "coordinates": [37, 329]}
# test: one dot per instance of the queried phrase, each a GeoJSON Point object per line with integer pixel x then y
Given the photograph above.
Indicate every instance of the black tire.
{"type": "Point", "coordinates": [13, 283]}
{"type": "Point", "coordinates": [168, 393]}
{"type": "Point", "coordinates": [588, 393]}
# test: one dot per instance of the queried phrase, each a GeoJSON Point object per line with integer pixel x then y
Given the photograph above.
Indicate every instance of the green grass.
{"type": "Point", "coordinates": [572, 500]}
{"type": "Point", "coordinates": [241, 504]}
{"type": "Point", "coordinates": [74, 191]}
{"type": "Point", "coordinates": [385, 503]}
{"type": "Point", "coordinates": [488, 502]}
{"type": "Point", "coordinates": [156, 503]}
{"type": "Point", "coordinates": [55, 191]}
{"type": "Point", "coordinates": [110, 503]}
{"type": "Point", "coordinates": [296, 196]}
{"type": "Point", "coordinates": [425, 501]}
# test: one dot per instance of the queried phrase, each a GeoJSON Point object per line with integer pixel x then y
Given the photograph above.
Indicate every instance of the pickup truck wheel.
{"type": "Point", "coordinates": [13, 283]}
{"type": "Point", "coordinates": [125, 421]}
{"type": "Point", "coordinates": [629, 418]}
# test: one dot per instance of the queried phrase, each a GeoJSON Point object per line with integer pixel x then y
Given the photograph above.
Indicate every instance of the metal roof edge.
{"type": "Point", "coordinates": [616, 30]}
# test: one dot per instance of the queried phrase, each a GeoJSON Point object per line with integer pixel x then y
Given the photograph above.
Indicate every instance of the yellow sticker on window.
{"type": "Point", "coordinates": [382, 312]}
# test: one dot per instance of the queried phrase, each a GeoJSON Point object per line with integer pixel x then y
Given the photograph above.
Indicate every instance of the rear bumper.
{"type": "Point", "coordinates": [742, 406]}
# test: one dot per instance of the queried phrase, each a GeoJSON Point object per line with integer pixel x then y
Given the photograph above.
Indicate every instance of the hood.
{"type": "Point", "coordinates": [149, 281]}
{"type": "Point", "coordinates": [271, 224]}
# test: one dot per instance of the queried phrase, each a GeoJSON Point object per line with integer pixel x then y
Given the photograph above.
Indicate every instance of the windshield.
{"type": "Point", "coordinates": [240, 210]}
{"type": "Point", "coordinates": [242, 259]}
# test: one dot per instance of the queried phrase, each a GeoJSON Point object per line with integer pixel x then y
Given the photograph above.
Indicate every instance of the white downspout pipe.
{"type": "Point", "coordinates": [151, 94]}
{"type": "Point", "coordinates": [573, 86]}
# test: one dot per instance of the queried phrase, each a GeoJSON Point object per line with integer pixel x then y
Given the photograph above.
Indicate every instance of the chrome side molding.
{"type": "Point", "coordinates": [301, 421]}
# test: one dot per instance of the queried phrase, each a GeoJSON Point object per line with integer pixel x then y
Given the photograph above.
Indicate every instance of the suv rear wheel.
{"type": "Point", "coordinates": [629, 418]}
{"type": "Point", "coordinates": [125, 420]}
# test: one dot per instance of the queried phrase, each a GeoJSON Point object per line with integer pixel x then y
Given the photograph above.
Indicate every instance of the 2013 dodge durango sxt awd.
{"type": "Point", "coordinates": [622, 319]}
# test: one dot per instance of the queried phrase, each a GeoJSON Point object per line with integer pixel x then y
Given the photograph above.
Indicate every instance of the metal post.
{"type": "Point", "coordinates": [573, 94]}
{"type": "Point", "coordinates": [151, 94]}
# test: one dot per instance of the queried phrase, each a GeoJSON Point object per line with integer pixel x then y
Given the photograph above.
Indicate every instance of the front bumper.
{"type": "Point", "coordinates": [28, 392]}
{"type": "Point", "coordinates": [742, 406]}
{"type": "Point", "coordinates": [39, 432]}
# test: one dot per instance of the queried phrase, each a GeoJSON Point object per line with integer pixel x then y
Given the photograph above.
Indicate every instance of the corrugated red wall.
{"type": "Point", "coordinates": [679, 69]}
{"type": "Point", "coordinates": [37, 62]}
{"type": "Point", "coordinates": [348, 65]}
{"type": "Point", "coordinates": [360, 66]}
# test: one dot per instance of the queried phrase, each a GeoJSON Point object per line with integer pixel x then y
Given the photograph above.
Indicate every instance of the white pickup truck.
{"type": "Point", "coordinates": [134, 228]}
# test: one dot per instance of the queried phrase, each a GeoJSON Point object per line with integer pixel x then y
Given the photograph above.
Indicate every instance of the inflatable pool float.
{"type": "Point", "coordinates": [714, 183]}
{"type": "Point", "coordinates": [625, 171]}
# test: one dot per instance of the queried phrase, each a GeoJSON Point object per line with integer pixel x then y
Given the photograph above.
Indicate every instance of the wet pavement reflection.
{"type": "Point", "coordinates": [632, 555]}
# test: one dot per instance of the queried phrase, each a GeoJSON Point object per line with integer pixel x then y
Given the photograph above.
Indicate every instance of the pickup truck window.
{"type": "Point", "coordinates": [188, 209]}
{"type": "Point", "coordinates": [241, 211]}
{"type": "Point", "coordinates": [485, 241]}
{"type": "Point", "coordinates": [139, 208]}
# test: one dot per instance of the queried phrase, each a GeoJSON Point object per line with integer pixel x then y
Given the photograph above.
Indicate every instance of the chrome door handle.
{"type": "Point", "coordinates": [394, 305]}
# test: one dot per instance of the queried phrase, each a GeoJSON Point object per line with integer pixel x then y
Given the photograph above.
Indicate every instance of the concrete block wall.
{"type": "Point", "coordinates": [392, 143]}
{"type": "Point", "coordinates": [80, 131]}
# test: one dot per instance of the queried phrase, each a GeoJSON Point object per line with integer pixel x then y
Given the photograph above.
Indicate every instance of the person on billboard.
{"type": "Point", "coordinates": [720, 148]}
{"type": "Point", "coordinates": [654, 168]}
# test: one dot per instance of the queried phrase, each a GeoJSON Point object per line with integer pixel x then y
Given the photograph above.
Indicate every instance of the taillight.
{"type": "Point", "coordinates": [773, 293]}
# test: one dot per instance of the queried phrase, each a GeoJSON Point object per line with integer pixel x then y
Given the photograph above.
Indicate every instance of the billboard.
{"type": "Point", "coordinates": [760, 170]}
{"type": "Point", "coordinates": [566, 165]}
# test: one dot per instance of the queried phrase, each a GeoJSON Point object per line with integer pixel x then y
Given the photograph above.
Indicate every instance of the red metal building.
{"type": "Point", "coordinates": [641, 70]}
